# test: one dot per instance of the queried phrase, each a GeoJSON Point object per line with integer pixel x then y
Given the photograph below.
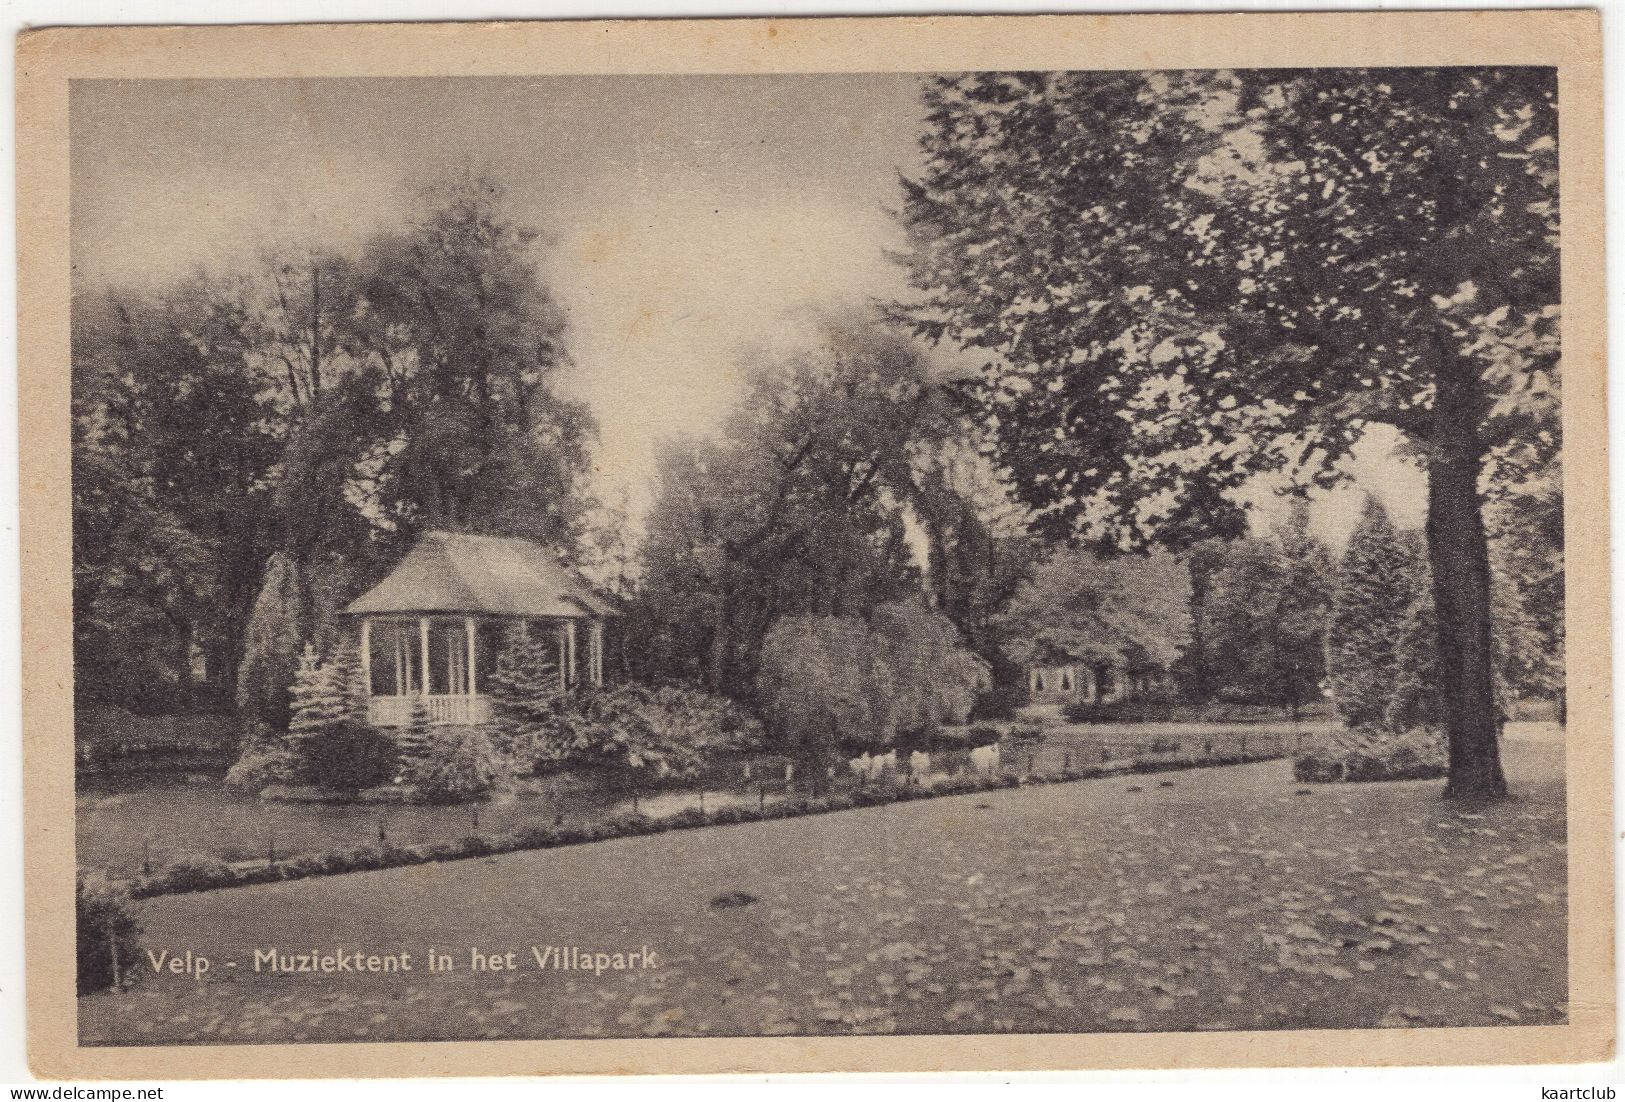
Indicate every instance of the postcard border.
{"type": "Point", "coordinates": [48, 59]}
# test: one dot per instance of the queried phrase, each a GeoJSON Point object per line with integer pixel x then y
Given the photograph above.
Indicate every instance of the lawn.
{"type": "Point", "coordinates": [1227, 898]}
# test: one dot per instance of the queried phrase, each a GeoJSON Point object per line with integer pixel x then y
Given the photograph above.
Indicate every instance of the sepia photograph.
{"type": "Point", "coordinates": [820, 554]}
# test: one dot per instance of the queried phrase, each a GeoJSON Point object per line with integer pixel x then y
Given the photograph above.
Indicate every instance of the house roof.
{"type": "Point", "coordinates": [458, 572]}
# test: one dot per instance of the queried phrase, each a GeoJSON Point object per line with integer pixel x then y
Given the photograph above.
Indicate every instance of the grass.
{"type": "Point", "coordinates": [1226, 900]}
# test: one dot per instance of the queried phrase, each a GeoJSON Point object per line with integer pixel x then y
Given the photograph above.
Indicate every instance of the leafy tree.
{"type": "Point", "coordinates": [1182, 280]}
{"type": "Point", "coordinates": [820, 684]}
{"type": "Point", "coordinates": [1264, 613]}
{"type": "Point", "coordinates": [1197, 668]}
{"type": "Point", "coordinates": [1129, 613]}
{"type": "Point", "coordinates": [466, 341]}
{"type": "Point", "coordinates": [797, 510]}
{"type": "Point", "coordinates": [173, 444]}
{"type": "Point", "coordinates": [825, 681]}
{"type": "Point", "coordinates": [1526, 558]}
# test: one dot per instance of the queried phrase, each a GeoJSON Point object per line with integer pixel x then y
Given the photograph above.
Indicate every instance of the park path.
{"type": "Point", "coordinates": [1225, 898]}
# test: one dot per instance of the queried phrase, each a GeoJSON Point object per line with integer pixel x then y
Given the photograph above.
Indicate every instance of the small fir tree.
{"type": "Point", "coordinates": [415, 737]}
{"type": "Point", "coordinates": [319, 699]}
{"type": "Point", "coordinates": [524, 689]}
{"type": "Point", "coordinates": [350, 676]}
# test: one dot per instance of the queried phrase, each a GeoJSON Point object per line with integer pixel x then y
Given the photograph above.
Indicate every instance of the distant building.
{"type": "Point", "coordinates": [1062, 679]}
{"type": "Point", "coordinates": [435, 624]}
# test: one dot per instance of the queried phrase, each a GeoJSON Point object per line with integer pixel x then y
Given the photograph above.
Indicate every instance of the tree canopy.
{"type": "Point", "coordinates": [1184, 280]}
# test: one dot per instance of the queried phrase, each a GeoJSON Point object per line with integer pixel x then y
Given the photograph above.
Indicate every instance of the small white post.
{"type": "Point", "coordinates": [596, 652]}
{"type": "Point", "coordinates": [564, 675]}
{"type": "Point", "coordinates": [423, 640]}
{"type": "Point", "coordinates": [468, 626]}
{"type": "Point", "coordinates": [570, 648]}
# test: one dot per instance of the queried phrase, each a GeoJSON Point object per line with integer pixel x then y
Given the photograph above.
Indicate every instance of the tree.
{"type": "Point", "coordinates": [319, 698]}
{"type": "Point", "coordinates": [466, 341]}
{"type": "Point", "coordinates": [252, 446]}
{"type": "Point", "coordinates": [173, 447]}
{"type": "Point", "coordinates": [1123, 612]}
{"type": "Point", "coordinates": [524, 689]}
{"type": "Point", "coordinates": [272, 641]}
{"type": "Point", "coordinates": [1184, 280]}
{"type": "Point", "coordinates": [828, 681]}
{"type": "Point", "coordinates": [1373, 609]}
{"type": "Point", "coordinates": [1526, 560]}
{"type": "Point", "coordinates": [1264, 612]}
{"type": "Point", "coordinates": [798, 510]}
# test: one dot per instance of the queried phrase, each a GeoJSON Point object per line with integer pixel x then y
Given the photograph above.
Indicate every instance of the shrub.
{"type": "Point", "coordinates": [260, 766]}
{"type": "Point", "coordinates": [193, 873]}
{"type": "Point", "coordinates": [651, 734]}
{"type": "Point", "coordinates": [108, 934]}
{"type": "Point", "coordinates": [1375, 755]}
{"type": "Point", "coordinates": [457, 764]}
{"type": "Point", "coordinates": [348, 756]}
{"type": "Point", "coordinates": [1119, 711]}
{"type": "Point", "coordinates": [1000, 702]}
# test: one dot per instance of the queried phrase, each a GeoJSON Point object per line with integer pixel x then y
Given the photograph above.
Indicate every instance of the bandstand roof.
{"type": "Point", "coordinates": [493, 575]}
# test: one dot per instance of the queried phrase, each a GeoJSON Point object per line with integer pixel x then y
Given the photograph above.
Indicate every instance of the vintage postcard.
{"type": "Point", "coordinates": [829, 544]}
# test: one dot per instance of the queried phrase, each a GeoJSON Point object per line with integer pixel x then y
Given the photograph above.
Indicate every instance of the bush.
{"type": "Point", "coordinates": [193, 873]}
{"type": "Point", "coordinates": [1000, 702]}
{"type": "Point", "coordinates": [457, 764]}
{"type": "Point", "coordinates": [106, 929]}
{"type": "Point", "coordinates": [1119, 711]}
{"type": "Point", "coordinates": [1375, 755]}
{"type": "Point", "coordinates": [651, 734]}
{"type": "Point", "coordinates": [260, 766]}
{"type": "Point", "coordinates": [348, 756]}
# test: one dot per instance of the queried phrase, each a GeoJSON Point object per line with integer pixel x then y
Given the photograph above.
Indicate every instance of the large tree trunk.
{"type": "Point", "coordinates": [1458, 555]}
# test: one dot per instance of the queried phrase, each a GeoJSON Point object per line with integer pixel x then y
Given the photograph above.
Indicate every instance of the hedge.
{"type": "Point", "coordinates": [207, 874]}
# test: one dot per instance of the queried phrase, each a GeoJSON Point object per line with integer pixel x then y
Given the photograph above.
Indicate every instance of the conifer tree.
{"type": "Point", "coordinates": [1371, 616]}
{"type": "Point", "coordinates": [349, 676]}
{"type": "Point", "coordinates": [524, 689]}
{"type": "Point", "coordinates": [318, 698]}
{"type": "Point", "coordinates": [415, 737]}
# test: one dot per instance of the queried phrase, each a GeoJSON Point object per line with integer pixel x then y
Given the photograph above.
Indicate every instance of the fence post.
{"type": "Point", "coordinates": [702, 801]}
{"type": "Point", "coordinates": [761, 797]}
{"type": "Point", "coordinates": [1243, 744]}
{"type": "Point", "coordinates": [270, 849]}
{"type": "Point", "coordinates": [383, 839]}
{"type": "Point", "coordinates": [112, 951]}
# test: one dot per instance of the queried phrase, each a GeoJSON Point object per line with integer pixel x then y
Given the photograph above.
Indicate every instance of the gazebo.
{"type": "Point", "coordinates": [435, 624]}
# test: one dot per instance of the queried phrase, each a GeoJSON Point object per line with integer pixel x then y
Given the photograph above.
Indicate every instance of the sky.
{"type": "Point", "coordinates": [685, 219]}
